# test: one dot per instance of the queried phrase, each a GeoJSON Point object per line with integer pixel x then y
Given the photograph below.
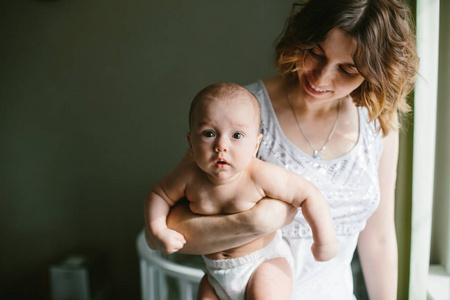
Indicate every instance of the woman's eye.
{"type": "Point", "coordinates": [315, 54]}
{"type": "Point", "coordinates": [348, 73]}
{"type": "Point", "coordinates": [345, 72]}
{"type": "Point", "coordinates": [208, 134]}
{"type": "Point", "coordinates": [238, 135]}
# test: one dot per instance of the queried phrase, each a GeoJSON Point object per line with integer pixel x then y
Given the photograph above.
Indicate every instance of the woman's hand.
{"type": "Point", "coordinates": [270, 215]}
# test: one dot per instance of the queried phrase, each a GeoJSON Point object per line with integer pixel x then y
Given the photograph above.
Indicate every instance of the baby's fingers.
{"type": "Point", "coordinates": [177, 242]}
{"type": "Point", "coordinates": [180, 237]}
{"type": "Point", "coordinates": [175, 246]}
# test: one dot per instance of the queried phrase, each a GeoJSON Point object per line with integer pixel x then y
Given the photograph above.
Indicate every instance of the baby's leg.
{"type": "Point", "coordinates": [205, 290]}
{"type": "Point", "coordinates": [271, 280]}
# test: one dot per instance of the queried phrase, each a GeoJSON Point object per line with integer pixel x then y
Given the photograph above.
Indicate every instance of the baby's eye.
{"type": "Point", "coordinates": [208, 134]}
{"type": "Point", "coordinates": [238, 135]}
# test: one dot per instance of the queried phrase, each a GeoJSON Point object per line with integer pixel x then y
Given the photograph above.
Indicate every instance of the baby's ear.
{"type": "Point", "coordinates": [188, 136]}
{"type": "Point", "coordinates": [258, 142]}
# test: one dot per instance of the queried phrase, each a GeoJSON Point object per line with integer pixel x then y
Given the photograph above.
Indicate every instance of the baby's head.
{"type": "Point", "coordinates": [224, 122]}
{"type": "Point", "coordinates": [224, 92]}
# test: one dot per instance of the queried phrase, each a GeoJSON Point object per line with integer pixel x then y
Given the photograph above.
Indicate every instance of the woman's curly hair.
{"type": "Point", "coordinates": [385, 52]}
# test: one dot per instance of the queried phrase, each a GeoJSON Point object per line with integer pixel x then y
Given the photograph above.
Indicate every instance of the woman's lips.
{"type": "Point", "coordinates": [312, 88]}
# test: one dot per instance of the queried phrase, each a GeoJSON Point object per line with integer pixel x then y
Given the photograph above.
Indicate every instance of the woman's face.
{"type": "Point", "coordinates": [329, 72]}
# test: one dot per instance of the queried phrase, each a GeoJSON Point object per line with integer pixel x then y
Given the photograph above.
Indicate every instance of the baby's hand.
{"type": "Point", "coordinates": [324, 252]}
{"type": "Point", "coordinates": [169, 241]}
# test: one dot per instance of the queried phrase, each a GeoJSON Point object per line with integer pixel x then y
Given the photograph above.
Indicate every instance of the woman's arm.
{"type": "Point", "coordinates": [210, 234]}
{"type": "Point", "coordinates": [378, 242]}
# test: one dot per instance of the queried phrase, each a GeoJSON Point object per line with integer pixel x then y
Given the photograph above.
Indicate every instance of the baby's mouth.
{"type": "Point", "coordinates": [221, 162]}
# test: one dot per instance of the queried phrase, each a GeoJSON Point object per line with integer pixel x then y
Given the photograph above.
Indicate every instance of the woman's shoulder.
{"type": "Point", "coordinates": [371, 127]}
{"type": "Point", "coordinates": [269, 84]}
{"type": "Point", "coordinates": [274, 85]}
{"type": "Point", "coordinates": [255, 87]}
{"type": "Point", "coordinates": [268, 90]}
{"type": "Point", "coordinates": [370, 134]}
{"type": "Point", "coordinates": [271, 81]}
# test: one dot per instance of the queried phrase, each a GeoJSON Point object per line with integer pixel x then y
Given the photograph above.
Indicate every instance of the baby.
{"type": "Point", "coordinates": [225, 177]}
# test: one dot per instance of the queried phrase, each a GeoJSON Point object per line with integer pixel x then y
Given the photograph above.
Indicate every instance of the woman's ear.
{"type": "Point", "coordinates": [258, 142]}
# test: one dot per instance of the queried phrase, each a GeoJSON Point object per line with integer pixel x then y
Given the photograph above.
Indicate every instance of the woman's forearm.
{"type": "Point", "coordinates": [377, 244]}
{"type": "Point", "coordinates": [379, 261]}
{"type": "Point", "coordinates": [210, 234]}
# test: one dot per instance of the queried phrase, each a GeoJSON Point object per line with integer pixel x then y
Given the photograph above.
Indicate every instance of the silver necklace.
{"type": "Point", "coordinates": [317, 152]}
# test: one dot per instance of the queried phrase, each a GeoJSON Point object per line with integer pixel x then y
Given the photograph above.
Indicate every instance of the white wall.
{"type": "Point", "coordinates": [440, 246]}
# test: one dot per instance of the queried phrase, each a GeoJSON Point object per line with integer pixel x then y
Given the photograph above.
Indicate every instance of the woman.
{"type": "Point", "coordinates": [346, 67]}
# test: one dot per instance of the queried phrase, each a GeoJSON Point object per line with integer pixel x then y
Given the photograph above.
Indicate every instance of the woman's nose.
{"type": "Point", "coordinates": [323, 75]}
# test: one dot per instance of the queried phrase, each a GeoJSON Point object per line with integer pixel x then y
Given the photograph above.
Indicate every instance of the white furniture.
{"type": "Point", "coordinates": [156, 270]}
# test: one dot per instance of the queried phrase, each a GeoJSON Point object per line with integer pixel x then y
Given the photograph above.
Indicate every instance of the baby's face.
{"type": "Point", "coordinates": [224, 136]}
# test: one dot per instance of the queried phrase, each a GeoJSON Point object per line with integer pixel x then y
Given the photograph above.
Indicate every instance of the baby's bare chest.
{"type": "Point", "coordinates": [223, 199]}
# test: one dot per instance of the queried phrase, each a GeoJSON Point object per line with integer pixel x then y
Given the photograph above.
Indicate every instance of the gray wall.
{"type": "Point", "coordinates": [94, 98]}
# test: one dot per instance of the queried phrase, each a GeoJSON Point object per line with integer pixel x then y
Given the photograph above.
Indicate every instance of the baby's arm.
{"type": "Point", "coordinates": [279, 183]}
{"type": "Point", "coordinates": [161, 197]}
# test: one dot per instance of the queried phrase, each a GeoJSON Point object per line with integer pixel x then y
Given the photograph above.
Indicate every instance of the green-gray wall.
{"type": "Point", "coordinates": [94, 98]}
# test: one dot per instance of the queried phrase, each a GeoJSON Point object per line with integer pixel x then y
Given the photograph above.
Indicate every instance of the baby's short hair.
{"type": "Point", "coordinates": [220, 90]}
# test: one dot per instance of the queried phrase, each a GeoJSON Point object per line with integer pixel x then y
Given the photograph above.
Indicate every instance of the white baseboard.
{"type": "Point", "coordinates": [438, 283]}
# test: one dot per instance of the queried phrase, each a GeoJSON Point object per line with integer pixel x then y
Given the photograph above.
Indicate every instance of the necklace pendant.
{"type": "Point", "coordinates": [316, 155]}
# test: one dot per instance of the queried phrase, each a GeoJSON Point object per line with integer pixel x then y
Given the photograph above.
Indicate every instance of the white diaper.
{"type": "Point", "coordinates": [229, 277]}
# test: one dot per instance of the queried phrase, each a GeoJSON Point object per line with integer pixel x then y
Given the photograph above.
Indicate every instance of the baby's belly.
{"type": "Point", "coordinates": [244, 249]}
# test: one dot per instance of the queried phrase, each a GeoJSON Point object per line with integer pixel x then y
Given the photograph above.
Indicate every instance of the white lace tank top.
{"type": "Point", "coordinates": [350, 185]}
